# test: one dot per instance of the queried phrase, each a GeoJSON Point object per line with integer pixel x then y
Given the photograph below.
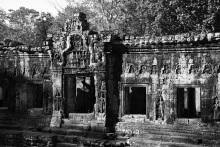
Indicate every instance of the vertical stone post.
{"type": "Point", "coordinates": [57, 99]}
{"type": "Point", "coordinates": [100, 94]}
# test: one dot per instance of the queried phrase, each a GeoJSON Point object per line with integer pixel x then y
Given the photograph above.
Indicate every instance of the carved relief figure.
{"type": "Point", "coordinates": [207, 69]}
{"type": "Point", "coordinates": [191, 69]}
{"type": "Point", "coordinates": [178, 69]}
{"type": "Point", "coordinates": [99, 56]}
{"type": "Point", "coordinates": [142, 69]}
{"type": "Point", "coordinates": [48, 101]}
{"type": "Point", "coordinates": [154, 69]}
{"type": "Point", "coordinates": [131, 69]}
{"type": "Point", "coordinates": [57, 92]}
{"type": "Point", "coordinates": [165, 80]}
{"type": "Point", "coordinates": [77, 42]}
{"type": "Point", "coordinates": [165, 69]}
{"type": "Point", "coordinates": [57, 58]}
{"type": "Point", "coordinates": [160, 109]}
{"type": "Point", "coordinates": [216, 108]}
{"type": "Point", "coordinates": [34, 72]}
{"type": "Point", "coordinates": [103, 97]}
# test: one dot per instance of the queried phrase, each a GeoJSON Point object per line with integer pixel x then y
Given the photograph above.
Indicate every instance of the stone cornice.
{"type": "Point", "coordinates": [161, 49]}
{"type": "Point", "coordinates": [24, 49]}
{"type": "Point", "coordinates": [20, 55]}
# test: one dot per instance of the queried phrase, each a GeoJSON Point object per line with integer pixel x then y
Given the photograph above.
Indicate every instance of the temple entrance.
{"type": "Point", "coordinates": [135, 100]}
{"type": "Point", "coordinates": [188, 102]}
{"type": "Point", "coordinates": [79, 94]}
{"type": "Point", "coordinates": [1, 97]}
{"type": "Point", "coordinates": [35, 95]}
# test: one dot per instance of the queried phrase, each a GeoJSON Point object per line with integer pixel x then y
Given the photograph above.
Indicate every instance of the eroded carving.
{"type": "Point", "coordinates": [216, 108]}
{"type": "Point", "coordinates": [153, 69]}
{"type": "Point", "coordinates": [143, 69]}
{"type": "Point", "coordinates": [178, 69]}
{"type": "Point", "coordinates": [34, 72]}
{"type": "Point", "coordinates": [160, 108]}
{"type": "Point", "coordinates": [165, 69]}
{"type": "Point", "coordinates": [207, 69]}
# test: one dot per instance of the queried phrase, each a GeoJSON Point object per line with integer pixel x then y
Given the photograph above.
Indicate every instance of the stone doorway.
{"type": "Point", "coordinates": [188, 102]}
{"type": "Point", "coordinates": [79, 94]}
{"type": "Point", "coordinates": [134, 99]}
{"type": "Point", "coordinates": [34, 95]}
{"type": "Point", "coordinates": [1, 97]}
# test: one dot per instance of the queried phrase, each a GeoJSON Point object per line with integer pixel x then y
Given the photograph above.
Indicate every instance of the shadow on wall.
{"type": "Point", "coordinates": [19, 93]}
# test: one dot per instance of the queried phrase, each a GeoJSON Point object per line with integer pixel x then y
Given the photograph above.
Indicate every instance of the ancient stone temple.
{"type": "Point", "coordinates": [25, 81]}
{"type": "Point", "coordinates": [146, 89]}
{"type": "Point", "coordinates": [78, 75]}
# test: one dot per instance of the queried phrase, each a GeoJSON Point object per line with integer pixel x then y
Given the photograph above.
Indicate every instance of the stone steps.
{"type": "Point", "coordinates": [56, 137]}
{"type": "Point", "coordinates": [137, 142]}
{"type": "Point", "coordinates": [71, 137]}
{"type": "Point", "coordinates": [168, 135]}
{"type": "Point", "coordinates": [24, 130]}
{"type": "Point", "coordinates": [25, 138]}
{"type": "Point", "coordinates": [67, 145]}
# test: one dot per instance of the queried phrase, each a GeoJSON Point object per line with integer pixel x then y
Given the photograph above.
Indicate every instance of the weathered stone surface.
{"type": "Point", "coordinates": [102, 83]}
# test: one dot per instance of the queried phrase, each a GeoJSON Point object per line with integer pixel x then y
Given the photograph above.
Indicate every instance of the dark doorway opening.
{"type": "Point", "coordinates": [35, 96]}
{"type": "Point", "coordinates": [80, 94]}
{"type": "Point", "coordinates": [1, 97]}
{"type": "Point", "coordinates": [135, 100]}
{"type": "Point", "coordinates": [188, 103]}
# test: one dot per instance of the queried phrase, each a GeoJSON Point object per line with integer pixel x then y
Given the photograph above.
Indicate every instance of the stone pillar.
{"type": "Point", "coordinates": [100, 94]}
{"type": "Point", "coordinates": [154, 78]}
{"type": "Point", "coordinates": [57, 99]}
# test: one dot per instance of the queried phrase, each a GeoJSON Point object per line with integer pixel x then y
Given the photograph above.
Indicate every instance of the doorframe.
{"type": "Point", "coordinates": [122, 96]}
{"type": "Point", "coordinates": [175, 86]}
{"type": "Point", "coordinates": [74, 75]}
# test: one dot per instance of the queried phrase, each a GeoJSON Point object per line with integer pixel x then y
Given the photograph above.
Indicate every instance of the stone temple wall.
{"type": "Point", "coordinates": [171, 75]}
{"type": "Point", "coordinates": [83, 76]}
{"type": "Point", "coordinates": [25, 79]}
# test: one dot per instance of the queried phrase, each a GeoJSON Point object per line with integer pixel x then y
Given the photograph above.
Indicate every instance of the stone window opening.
{"type": "Point", "coordinates": [1, 97]}
{"type": "Point", "coordinates": [188, 102]}
{"type": "Point", "coordinates": [35, 95]}
{"type": "Point", "coordinates": [135, 100]}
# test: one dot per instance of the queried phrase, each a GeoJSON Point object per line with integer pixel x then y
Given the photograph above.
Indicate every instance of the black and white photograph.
{"type": "Point", "coordinates": [109, 73]}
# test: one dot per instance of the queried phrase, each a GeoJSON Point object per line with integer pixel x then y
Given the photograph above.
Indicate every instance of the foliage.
{"type": "Point", "coordinates": [68, 12]}
{"type": "Point", "coordinates": [160, 17]}
{"type": "Point", "coordinates": [137, 17]}
{"type": "Point", "coordinates": [108, 12]}
{"type": "Point", "coordinates": [3, 26]}
{"type": "Point", "coordinates": [25, 25]}
{"type": "Point", "coordinates": [41, 29]}
{"type": "Point", "coordinates": [101, 14]}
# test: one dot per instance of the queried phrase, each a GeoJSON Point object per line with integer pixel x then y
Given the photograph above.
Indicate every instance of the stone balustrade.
{"type": "Point", "coordinates": [186, 38]}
